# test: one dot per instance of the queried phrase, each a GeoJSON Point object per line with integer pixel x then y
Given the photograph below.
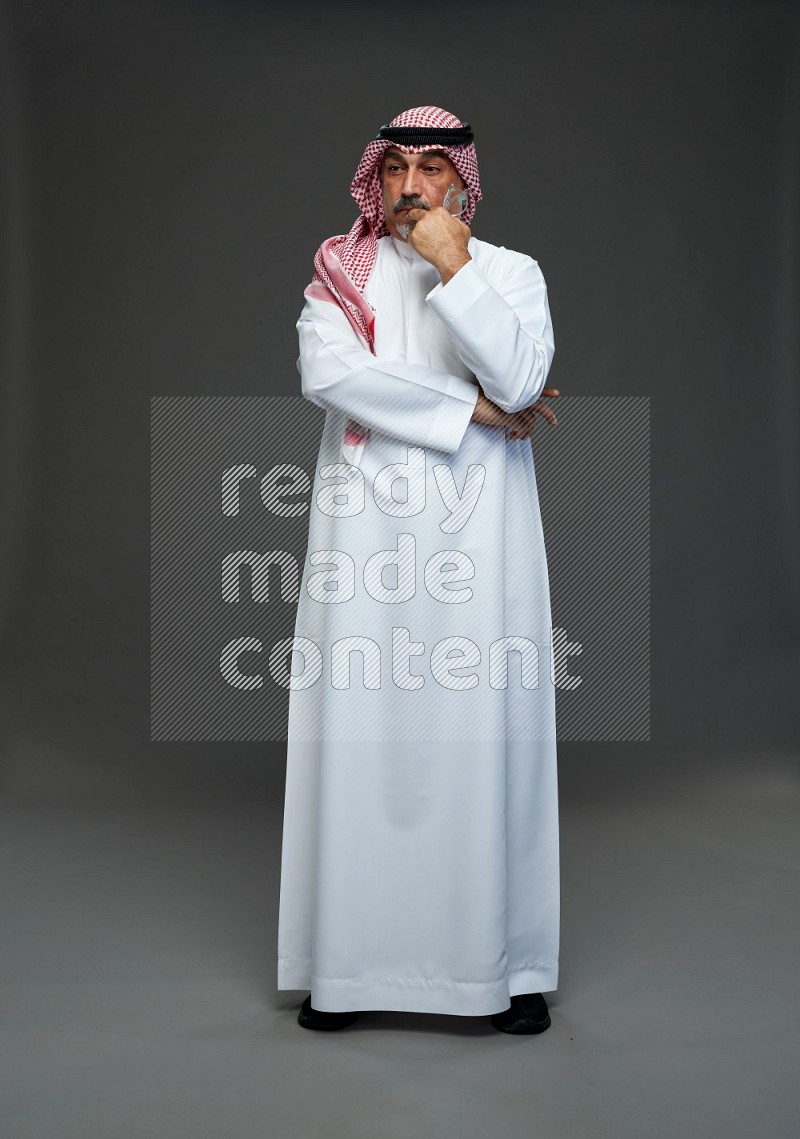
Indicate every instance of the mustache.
{"type": "Point", "coordinates": [406, 202]}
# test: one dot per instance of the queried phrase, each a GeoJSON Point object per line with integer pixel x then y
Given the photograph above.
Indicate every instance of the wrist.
{"type": "Point", "coordinates": [449, 267]}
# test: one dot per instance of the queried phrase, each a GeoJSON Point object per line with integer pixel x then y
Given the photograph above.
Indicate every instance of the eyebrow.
{"type": "Point", "coordinates": [428, 154]}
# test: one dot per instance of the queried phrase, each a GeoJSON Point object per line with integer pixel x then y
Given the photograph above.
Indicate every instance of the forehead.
{"type": "Point", "coordinates": [416, 159]}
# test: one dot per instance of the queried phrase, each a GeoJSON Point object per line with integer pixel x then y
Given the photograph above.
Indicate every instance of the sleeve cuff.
{"type": "Point", "coordinates": [450, 424]}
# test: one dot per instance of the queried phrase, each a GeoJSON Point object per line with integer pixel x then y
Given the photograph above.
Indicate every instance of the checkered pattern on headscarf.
{"type": "Point", "coordinates": [342, 264]}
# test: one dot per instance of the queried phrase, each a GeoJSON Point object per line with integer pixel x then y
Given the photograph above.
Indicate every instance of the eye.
{"type": "Point", "coordinates": [432, 169]}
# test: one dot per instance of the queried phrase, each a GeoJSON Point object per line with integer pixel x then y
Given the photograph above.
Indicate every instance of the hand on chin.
{"type": "Point", "coordinates": [437, 235]}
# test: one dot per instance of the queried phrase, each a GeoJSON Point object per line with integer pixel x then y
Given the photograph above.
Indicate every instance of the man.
{"type": "Point", "coordinates": [420, 843]}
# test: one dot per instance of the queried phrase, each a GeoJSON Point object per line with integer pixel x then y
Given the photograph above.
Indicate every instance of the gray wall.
{"type": "Point", "coordinates": [168, 171]}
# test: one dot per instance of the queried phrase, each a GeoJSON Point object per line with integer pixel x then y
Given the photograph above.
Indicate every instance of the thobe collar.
{"type": "Point", "coordinates": [406, 250]}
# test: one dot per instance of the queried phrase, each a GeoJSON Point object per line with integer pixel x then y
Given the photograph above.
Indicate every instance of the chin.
{"type": "Point", "coordinates": [404, 228]}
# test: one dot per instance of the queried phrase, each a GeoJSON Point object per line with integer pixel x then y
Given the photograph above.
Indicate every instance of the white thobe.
{"type": "Point", "coordinates": [420, 865]}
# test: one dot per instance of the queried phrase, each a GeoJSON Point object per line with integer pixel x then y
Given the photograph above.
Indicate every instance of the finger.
{"type": "Point", "coordinates": [551, 393]}
{"type": "Point", "coordinates": [541, 408]}
{"type": "Point", "coordinates": [517, 429]}
{"type": "Point", "coordinates": [521, 426]}
{"type": "Point", "coordinates": [519, 418]}
{"type": "Point", "coordinates": [523, 415]}
{"type": "Point", "coordinates": [527, 416]}
{"type": "Point", "coordinates": [524, 423]}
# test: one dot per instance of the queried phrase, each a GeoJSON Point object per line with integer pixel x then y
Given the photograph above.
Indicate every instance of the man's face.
{"type": "Point", "coordinates": [414, 181]}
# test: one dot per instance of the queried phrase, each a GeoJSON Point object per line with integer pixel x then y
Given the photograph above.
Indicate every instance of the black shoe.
{"type": "Point", "coordinates": [328, 1021]}
{"type": "Point", "coordinates": [526, 1015]}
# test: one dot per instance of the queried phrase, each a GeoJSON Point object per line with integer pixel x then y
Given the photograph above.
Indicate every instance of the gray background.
{"type": "Point", "coordinates": [168, 170]}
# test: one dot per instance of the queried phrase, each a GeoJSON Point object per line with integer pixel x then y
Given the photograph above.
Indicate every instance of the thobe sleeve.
{"type": "Point", "coordinates": [412, 402]}
{"type": "Point", "coordinates": [502, 332]}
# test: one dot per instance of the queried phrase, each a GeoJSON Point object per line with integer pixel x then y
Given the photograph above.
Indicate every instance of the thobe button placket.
{"type": "Point", "coordinates": [417, 345]}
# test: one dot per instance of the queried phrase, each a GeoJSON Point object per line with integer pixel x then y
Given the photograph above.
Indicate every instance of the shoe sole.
{"type": "Point", "coordinates": [533, 1027]}
{"type": "Point", "coordinates": [310, 1022]}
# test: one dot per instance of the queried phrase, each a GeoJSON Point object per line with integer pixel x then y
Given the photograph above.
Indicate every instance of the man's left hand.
{"type": "Point", "coordinates": [441, 239]}
{"type": "Point", "coordinates": [523, 422]}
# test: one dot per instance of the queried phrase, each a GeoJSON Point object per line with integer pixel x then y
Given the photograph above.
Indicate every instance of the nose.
{"type": "Point", "coordinates": [412, 183]}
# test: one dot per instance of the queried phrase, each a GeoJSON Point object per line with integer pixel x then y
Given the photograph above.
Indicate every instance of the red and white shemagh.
{"type": "Point", "coordinates": [343, 263]}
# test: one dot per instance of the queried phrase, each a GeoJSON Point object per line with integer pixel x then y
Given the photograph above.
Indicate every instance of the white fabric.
{"type": "Point", "coordinates": [420, 841]}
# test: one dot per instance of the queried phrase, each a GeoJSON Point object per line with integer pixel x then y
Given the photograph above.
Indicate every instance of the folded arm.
{"type": "Point", "coordinates": [503, 333]}
{"type": "Point", "coordinates": [408, 401]}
